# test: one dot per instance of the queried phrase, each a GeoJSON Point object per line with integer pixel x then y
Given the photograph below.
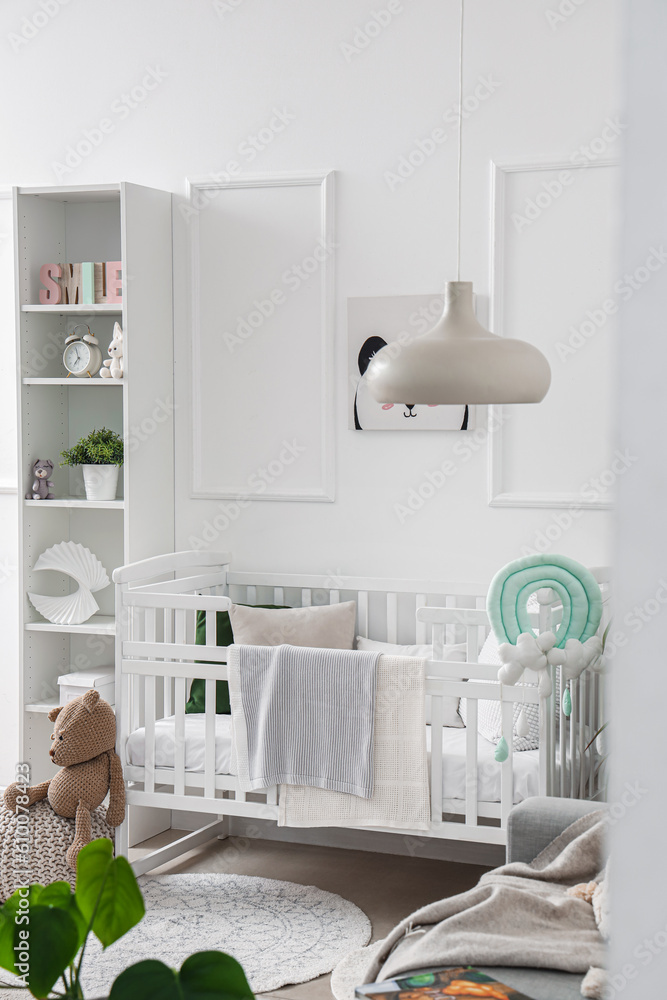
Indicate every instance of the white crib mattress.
{"type": "Point", "coordinates": [525, 764]}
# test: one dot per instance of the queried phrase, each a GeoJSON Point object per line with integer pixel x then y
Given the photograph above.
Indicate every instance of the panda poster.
{"type": "Point", "coordinates": [373, 323]}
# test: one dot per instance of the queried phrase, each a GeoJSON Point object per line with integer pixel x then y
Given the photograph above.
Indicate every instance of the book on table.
{"type": "Point", "coordinates": [463, 982]}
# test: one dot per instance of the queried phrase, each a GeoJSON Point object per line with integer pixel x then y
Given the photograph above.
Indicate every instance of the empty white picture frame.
{"type": "Point", "coordinates": [262, 261]}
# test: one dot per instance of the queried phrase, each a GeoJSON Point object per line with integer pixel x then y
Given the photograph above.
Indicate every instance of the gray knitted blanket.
{"type": "Point", "coordinates": [302, 716]}
{"type": "Point", "coordinates": [518, 915]}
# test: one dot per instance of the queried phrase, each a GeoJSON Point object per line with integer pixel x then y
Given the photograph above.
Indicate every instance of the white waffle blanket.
{"type": "Point", "coordinates": [400, 797]}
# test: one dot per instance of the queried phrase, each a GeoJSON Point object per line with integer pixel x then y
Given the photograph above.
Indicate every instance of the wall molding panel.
{"type": "Point", "coordinates": [281, 227]}
{"type": "Point", "coordinates": [501, 277]}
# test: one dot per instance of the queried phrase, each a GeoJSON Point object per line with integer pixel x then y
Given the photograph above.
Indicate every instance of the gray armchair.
{"type": "Point", "coordinates": [535, 822]}
{"type": "Point", "coordinates": [532, 825]}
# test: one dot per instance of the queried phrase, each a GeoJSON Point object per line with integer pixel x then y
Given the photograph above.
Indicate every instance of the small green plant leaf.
{"type": "Point", "coordinates": [147, 979]}
{"type": "Point", "coordinates": [211, 974]}
{"type": "Point", "coordinates": [101, 447]}
{"type": "Point", "coordinates": [107, 892]}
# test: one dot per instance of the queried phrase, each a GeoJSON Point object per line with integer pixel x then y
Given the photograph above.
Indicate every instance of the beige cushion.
{"type": "Point", "coordinates": [455, 651]}
{"type": "Point", "coordinates": [329, 626]}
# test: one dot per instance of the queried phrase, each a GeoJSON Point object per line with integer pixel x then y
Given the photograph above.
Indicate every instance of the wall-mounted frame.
{"type": "Point", "coordinates": [262, 256]}
{"type": "Point", "coordinates": [500, 494]}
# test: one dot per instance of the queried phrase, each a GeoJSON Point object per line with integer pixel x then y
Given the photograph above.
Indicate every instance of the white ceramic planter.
{"type": "Point", "coordinates": [101, 481]}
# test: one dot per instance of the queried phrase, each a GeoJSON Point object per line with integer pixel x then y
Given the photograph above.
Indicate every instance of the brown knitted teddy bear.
{"type": "Point", "coordinates": [84, 737]}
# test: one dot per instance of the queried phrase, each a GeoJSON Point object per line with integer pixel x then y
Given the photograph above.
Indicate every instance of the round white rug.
{"type": "Point", "coordinates": [280, 932]}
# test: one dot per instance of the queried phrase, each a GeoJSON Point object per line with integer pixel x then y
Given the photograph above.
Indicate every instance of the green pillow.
{"type": "Point", "coordinates": [224, 636]}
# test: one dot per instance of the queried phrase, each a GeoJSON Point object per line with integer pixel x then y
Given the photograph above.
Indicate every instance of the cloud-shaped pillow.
{"type": "Point", "coordinates": [539, 652]}
{"type": "Point", "coordinates": [530, 653]}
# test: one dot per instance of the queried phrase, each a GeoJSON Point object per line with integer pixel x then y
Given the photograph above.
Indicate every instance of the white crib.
{"type": "Point", "coordinates": [157, 601]}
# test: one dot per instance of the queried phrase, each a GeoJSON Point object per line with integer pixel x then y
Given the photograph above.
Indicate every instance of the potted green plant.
{"type": "Point", "coordinates": [44, 930]}
{"type": "Point", "coordinates": [100, 455]}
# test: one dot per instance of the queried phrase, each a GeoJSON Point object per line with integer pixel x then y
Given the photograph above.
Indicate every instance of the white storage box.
{"type": "Point", "coordinates": [100, 678]}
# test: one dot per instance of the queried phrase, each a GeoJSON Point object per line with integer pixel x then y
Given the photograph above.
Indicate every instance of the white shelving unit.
{"type": "Point", "coordinates": [132, 224]}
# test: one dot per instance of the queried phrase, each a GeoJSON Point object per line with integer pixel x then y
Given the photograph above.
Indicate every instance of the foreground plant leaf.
{"type": "Point", "coordinates": [207, 975]}
{"type": "Point", "coordinates": [60, 896]}
{"type": "Point", "coordinates": [8, 924]}
{"type": "Point", "coordinates": [107, 892]}
{"type": "Point", "coordinates": [53, 944]}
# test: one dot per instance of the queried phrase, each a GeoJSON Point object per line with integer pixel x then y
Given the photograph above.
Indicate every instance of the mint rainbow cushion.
{"type": "Point", "coordinates": [511, 587]}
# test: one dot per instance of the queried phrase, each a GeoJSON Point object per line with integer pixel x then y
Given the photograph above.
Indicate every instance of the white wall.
{"type": "Point", "coordinates": [217, 71]}
{"type": "Point", "coordinates": [9, 675]}
{"type": "Point", "coordinates": [639, 679]}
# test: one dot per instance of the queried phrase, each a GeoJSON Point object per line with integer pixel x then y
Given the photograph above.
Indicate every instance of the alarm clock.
{"type": "Point", "coordinates": [82, 355]}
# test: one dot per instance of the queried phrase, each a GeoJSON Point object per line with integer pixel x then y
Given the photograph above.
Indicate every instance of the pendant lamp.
{"type": "Point", "coordinates": [458, 361]}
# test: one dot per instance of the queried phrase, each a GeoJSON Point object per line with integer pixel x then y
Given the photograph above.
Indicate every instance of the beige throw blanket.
{"type": "Point", "coordinates": [517, 915]}
{"type": "Point", "coordinates": [400, 797]}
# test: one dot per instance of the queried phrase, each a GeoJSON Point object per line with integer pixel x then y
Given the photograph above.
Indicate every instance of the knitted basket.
{"type": "Point", "coordinates": [48, 838]}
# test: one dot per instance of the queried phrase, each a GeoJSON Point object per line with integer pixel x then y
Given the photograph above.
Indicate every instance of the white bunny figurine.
{"type": "Point", "coordinates": [115, 368]}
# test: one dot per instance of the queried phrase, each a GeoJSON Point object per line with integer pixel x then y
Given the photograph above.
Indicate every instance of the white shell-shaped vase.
{"type": "Point", "coordinates": [75, 560]}
{"type": "Point", "coordinates": [69, 609]}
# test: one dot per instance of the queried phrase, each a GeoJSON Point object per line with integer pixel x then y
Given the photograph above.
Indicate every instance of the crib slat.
{"type": "Point", "coordinates": [179, 710]}
{"type": "Point", "coordinates": [306, 600]}
{"type": "Point", "coordinates": [596, 705]}
{"type": "Point", "coordinates": [471, 762]}
{"type": "Point", "coordinates": [135, 702]}
{"type": "Point", "coordinates": [334, 597]}
{"type": "Point", "coordinates": [420, 628]}
{"type": "Point", "coordinates": [251, 595]}
{"type": "Point", "coordinates": [436, 759]}
{"type": "Point", "coordinates": [167, 626]}
{"type": "Point", "coordinates": [472, 646]}
{"type": "Point", "coordinates": [209, 741]}
{"type": "Point", "coordinates": [574, 693]}
{"type": "Point", "coordinates": [179, 736]}
{"type": "Point", "coordinates": [278, 595]}
{"type": "Point", "coordinates": [272, 796]}
{"type": "Point", "coordinates": [450, 629]}
{"type": "Point", "coordinates": [438, 640]}
{"type": "Point", "coordinates": [562, 743]}
{"type": "Point", "coordinates": [149, 748]}
{"type": "Point", "coordinates": [507, 767]}
{"type": "Point", "coordinates": [211, 628]}
{"type": "Point", "coordinates": [362, 612]}
{"type": "Point", "coordinates": [392, 618]}
{"type": "Point", "coordinates": [552, 718]}
{"type": "Point", "coordinates": [543, 751]}
{"type": "Point", "coordinates": [582, 711]}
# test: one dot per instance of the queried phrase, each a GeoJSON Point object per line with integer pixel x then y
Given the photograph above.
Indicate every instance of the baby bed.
{"type": "Point", "coordinates": [176, 761]}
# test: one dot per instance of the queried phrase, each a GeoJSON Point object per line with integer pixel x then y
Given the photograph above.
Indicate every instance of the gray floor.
{"type": "Point", "coordinates": [387, 888]}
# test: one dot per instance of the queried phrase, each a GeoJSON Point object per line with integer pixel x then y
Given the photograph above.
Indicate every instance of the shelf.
{"type": "Point", "coordinates": [73, 381]}
{"type": "Point", "coordinates": [75, 193]}
{"type": "Point", "coordinates": [77, 502]}
{"type": "Point", "coordinates": [43, 707]}
{"type": "Point", "coordinates": [97, 625]}
{"type": "Point", "coordinates": [98, 308]}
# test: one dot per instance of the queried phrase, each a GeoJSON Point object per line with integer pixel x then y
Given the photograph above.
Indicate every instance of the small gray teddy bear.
{"type": "Point", "coordinates": [42, 470]}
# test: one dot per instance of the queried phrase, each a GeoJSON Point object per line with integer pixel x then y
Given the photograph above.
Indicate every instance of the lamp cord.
{"type": "Point", "coordinates": [460, 143]}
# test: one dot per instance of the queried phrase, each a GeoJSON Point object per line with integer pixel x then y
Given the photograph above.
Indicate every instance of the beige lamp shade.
{"type": "Point", "coordinates": [458, 362]}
